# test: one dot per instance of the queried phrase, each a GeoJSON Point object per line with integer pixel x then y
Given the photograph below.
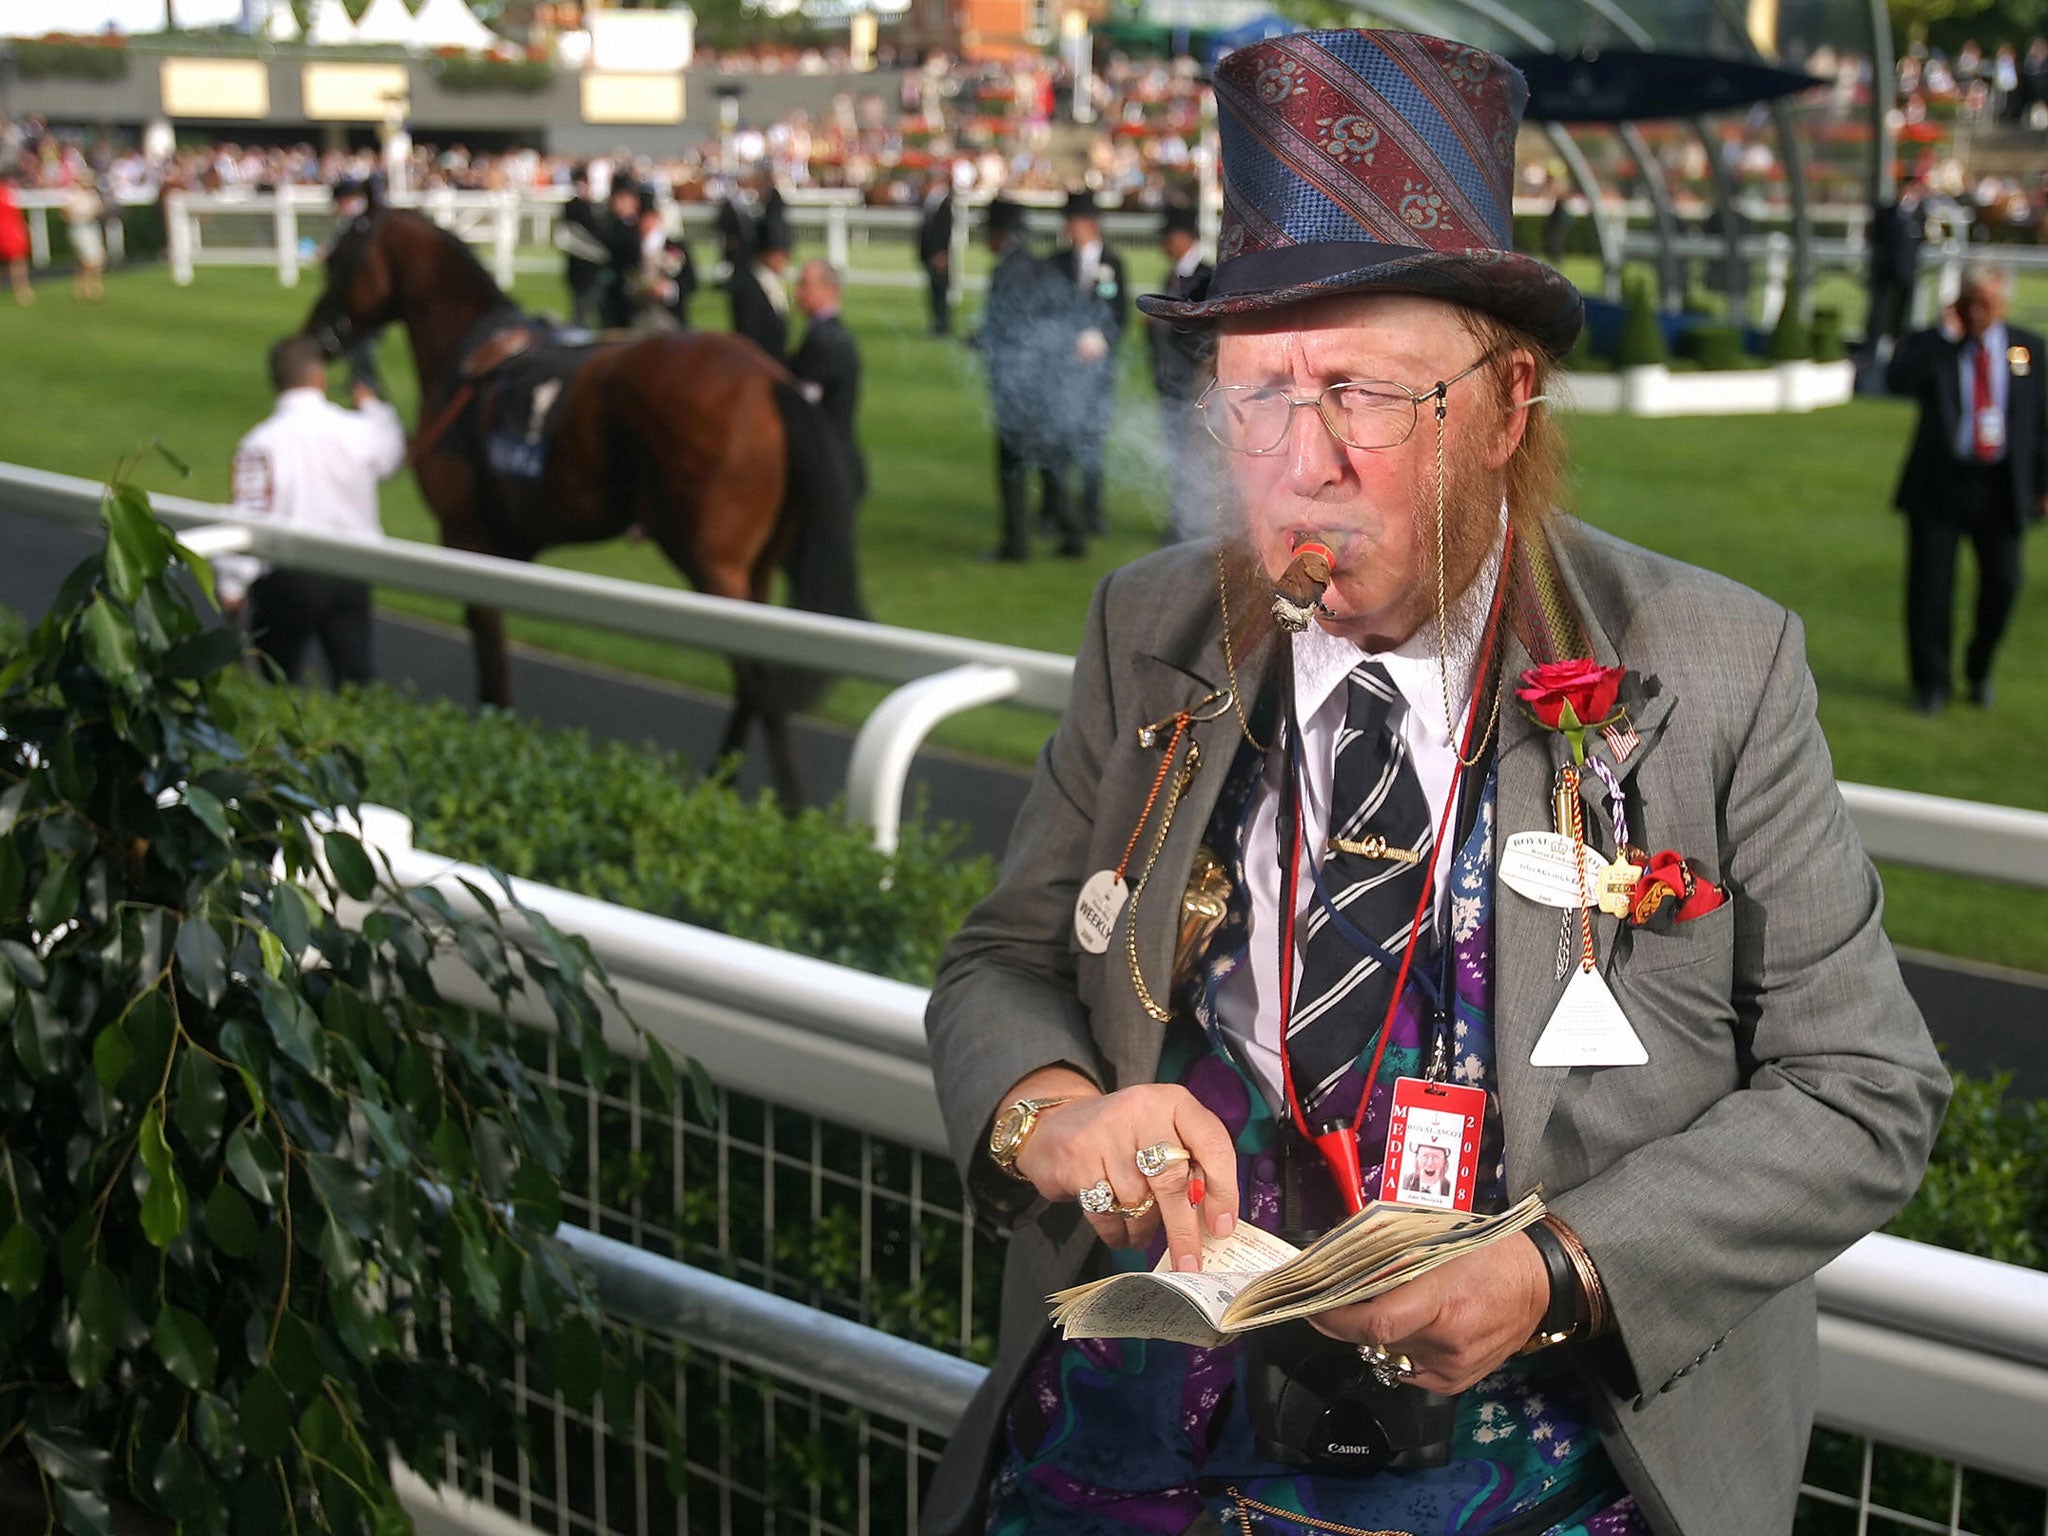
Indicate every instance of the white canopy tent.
{"type": "Point", "coordinates": [330, 23]}
{"type": "Point", "coordinates": [385, 21]}
{"type": "Point", "coordinates": [451, 24]}
{"type": "Point", "coordinates": [281, 25]}
{"type": "Point", "coordinates": [38, 18]}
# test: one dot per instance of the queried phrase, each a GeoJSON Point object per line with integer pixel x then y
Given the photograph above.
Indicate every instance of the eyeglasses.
{"type": "Point", "coordinates": [1360, 413]}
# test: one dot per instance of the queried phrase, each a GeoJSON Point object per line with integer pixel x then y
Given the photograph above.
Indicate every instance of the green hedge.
{"type": "Point", "coordinates": [468, 75]}
{"type": "Point", "coordinates": [644, 829]}
{"type": "Point", "coordinates": [70, 61]}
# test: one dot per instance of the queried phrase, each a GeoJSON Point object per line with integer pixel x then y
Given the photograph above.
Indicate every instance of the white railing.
{"type": "Point", "coordinates": [938, 675]}
{"type": "Point", "coordinates": [37, 204]}
{"type": "Point", "coordinates": [1920, 1347]}
{"type": "Point", "coordinates": [295, 221]}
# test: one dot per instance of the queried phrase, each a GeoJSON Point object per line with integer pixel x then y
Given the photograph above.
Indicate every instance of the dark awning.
{"type": "Point", "coordinates": [1631, 86]}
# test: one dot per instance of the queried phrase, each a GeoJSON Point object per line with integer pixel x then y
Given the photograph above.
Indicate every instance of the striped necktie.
{"type": "Point", "coordinates": [1342, 995]}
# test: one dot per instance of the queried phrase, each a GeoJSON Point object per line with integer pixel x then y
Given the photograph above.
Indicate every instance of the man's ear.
{"type": "Point", "coordinates": [1514, 420]}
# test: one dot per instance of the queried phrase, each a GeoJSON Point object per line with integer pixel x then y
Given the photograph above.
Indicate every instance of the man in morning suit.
{"type": "Point", "coordinates": [760, 302]}
{"type": "Point", "coordinates": [1183, 363]}
{"type": "Point", "coordinates": [828, 362]}
{"type": "Point", "coordinates": [1715, 1094]}
{"type": "Point", "coordinates": [1094, 275]}
{"type": "Point", "coordinates": [935, 247]}
{"type": "Point", "coordinates": [1977, 470]}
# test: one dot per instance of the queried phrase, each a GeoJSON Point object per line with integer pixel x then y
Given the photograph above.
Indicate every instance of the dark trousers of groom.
{"type": "Point", "coordinates": [1981, 511]}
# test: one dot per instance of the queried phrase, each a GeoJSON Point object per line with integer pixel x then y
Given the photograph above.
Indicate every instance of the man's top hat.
{"type": "Point", "coordinates": [1367, 161]}
{"type": "Point", "coordinates": [1005, 217]}
{"type": "Point", "coordinates": [1081, 205]}
{"type": "Point", "coordinates": [1181, 218]}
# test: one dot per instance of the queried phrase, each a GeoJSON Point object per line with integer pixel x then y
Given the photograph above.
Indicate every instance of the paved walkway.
{"type": "Point", "coordinates": [1987, 1018]}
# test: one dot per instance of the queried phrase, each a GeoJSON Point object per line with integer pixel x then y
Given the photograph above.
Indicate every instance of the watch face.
{"type": "Point", "coordinates": [1002, 1136]}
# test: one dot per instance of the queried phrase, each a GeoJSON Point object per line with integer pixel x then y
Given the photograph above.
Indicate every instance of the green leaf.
{"type": "Point", "coordinates": [218, 1432]}
{"type": "Point", "coordinates": [12, 877]}
{"type": "Point", "coordinates": [180, 1481]}
{"type": "Point", "coordinates": [165, 1206]}
{"type": "Point", "coordinates": [579, 1361]}
{"type": "Point", "coordinates": [255, 1164]}
{"type": "Point", "coordinates": [273, 953]}
{"type": "Point", "coordinates": [201, 1102]}
{"type": "Point", "coordinates": [186, 1347]}
{"type": "Point", "coordinates": [288, 920]}
{"type": "Point", "coordinates": [205, 804]}
{"type": "Point", "coordinates": [478, 1273]}
{"type": "Point", "coordinates": [111, 1054]}
{"type": "Point", "coordinates": [70, 1458]}
{"type": "Point", "coordinates": [340, 1254]}
{"type": "Point", "coordinates": [204, 960]}
{"type": "Point", "coordinates": [245, 1048]}
{"type": "Point", "coordinates": [138, 547]}
{"type": "Point", "coordinates": [292, 1024]}
{"type": "Point", "coordinates": [110, 646]}
{"type": "Point", "coordinates": [94, 1329]}
{"type": "Point", "coordinates": [21, 1261]}
{"type": "Point", "coordinates": [230, 1222]}
{"type": "Point", "coordinates": [202, 654]}
{"type": "Point", "coordinates": [266, 1415]}
{"type": "Point", "coordinates": [537, 1196]}
{"type": "Point", "coordinates": [56, 898]}
{"type": "Point", "coordinates": [83, 1511]}
{"type": "Point", "coordinates": [351, 866]}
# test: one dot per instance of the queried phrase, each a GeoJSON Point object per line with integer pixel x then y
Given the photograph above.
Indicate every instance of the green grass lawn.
{"type": "Point", "coordinates": [1795, 506]}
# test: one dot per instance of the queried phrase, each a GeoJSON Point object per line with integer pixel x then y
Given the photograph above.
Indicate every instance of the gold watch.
{"type": "Point", "coordinates": [1013, 1127]}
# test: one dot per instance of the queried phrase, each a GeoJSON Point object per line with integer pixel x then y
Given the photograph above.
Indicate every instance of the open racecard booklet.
{"type": "Point", "coordinates": [1251, 1278]}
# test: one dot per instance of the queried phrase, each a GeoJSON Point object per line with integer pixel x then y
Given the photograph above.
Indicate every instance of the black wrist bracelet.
{"type": "Point", "coordinates": [1564, 1315]}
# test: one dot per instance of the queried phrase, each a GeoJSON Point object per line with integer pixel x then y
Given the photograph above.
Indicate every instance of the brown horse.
{"type": "Point", "coordinates": [698, 438]}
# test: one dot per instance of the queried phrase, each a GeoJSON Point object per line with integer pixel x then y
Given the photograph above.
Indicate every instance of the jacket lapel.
{"type": "Point", "coordinates": [1526, 986]}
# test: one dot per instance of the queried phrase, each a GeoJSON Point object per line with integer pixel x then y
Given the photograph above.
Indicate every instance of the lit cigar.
{"type": "Point", "coordinates": [1300, 587]}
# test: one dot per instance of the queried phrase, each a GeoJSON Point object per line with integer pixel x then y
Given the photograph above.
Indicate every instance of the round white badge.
{"type": "Point", "coordinates": [1096, 911]}
{"type": "Point", "coordinates": [1540, 866]}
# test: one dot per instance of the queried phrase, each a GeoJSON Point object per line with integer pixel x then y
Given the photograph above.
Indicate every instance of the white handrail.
{"type": "Point", "coordinates": [1904, 1324]}
{"type": "Point", "coordinates": [1961, 837]}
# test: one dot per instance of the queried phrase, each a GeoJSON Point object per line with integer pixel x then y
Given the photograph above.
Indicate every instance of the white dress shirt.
{"type": "Point", "coordinates": [1087, 264]}
{"type": "Point", "coordinates": [1248, 1001]}
{"type": "Point", "coordinates": [1992, 341]}
{"type": "Point", "coordinates": [312, 464]}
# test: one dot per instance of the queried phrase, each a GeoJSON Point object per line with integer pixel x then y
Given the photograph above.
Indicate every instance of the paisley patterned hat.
{"type": "Point", "coordinates": [1361, 161]}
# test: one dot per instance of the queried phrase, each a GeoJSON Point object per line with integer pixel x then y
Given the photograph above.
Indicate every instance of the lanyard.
{"type": "Point", "coordinates": [1337, 1142]}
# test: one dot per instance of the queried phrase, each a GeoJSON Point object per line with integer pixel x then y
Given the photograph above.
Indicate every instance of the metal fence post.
{"type": "Point", "coordinates": [504, 237]}
{"type": "Point", "coordinates": [178, 238]}
{"type": "Point", "coordinates": [39, 237]}
{"type": "Point", "coordinates": [835, 235]}
{"type": "Point", "coordinates": [287, 240]}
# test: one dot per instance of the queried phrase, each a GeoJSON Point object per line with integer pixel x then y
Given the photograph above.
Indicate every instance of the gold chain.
{"type": "Point", "coordinates": [1180, 783]}
{"type": "Point", "coordinates": [1244, 1505]}
{"type": "Point", "coordinates": [1443, 628]}
{"type": "Point", "coordinates": [1229, 661]}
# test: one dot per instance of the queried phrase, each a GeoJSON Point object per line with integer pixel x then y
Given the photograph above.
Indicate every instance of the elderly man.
{"type": "Point", "coordinates": [1978, 469]}
{"type": "Point", "coordinates": [1526, 829]}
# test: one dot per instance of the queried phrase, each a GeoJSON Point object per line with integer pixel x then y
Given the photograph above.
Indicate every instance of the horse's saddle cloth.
{"type": "Point", "coordinates": [520, 405]}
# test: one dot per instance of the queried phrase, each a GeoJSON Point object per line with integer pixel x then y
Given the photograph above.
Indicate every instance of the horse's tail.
{"type": "Point", "coordinates": [820, 559]}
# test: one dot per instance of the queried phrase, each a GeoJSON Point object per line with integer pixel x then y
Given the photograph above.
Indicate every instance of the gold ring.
{"type": "Point", "coordinates": [1160, 1156]}
{"type": "Point", "coordinates": [1388, 1368]}
{"type": "Point", "coordinates": [1099, 1198]}
{"type": "Point", "coordinates": [1133, 1212]}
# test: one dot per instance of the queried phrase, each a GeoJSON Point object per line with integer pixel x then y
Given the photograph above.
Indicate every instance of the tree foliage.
{"type": "Point", "coordinates": [271, 1208]}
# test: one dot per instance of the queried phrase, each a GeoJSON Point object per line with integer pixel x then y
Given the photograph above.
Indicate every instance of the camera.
{"type": "Point", "coordinates": [1314, 1402]}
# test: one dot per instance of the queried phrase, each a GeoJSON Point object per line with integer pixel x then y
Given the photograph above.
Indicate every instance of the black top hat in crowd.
{"type": "Point", "coordinates": [1081, 205]}
{"type": "Point", "coordinates": [1005, 217]}
{"type": "Point", "coordinates": [1182, 219]}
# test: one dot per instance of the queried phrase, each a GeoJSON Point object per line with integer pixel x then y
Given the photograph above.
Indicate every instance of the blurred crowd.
{"type": "Point", "coordinates": [2003, 86]}
{"type": "Point", "coordinates": [998, 129]}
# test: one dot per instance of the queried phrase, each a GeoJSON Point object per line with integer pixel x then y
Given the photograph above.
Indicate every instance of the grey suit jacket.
{"type": "Point", "coordinates": [1791, 1094]}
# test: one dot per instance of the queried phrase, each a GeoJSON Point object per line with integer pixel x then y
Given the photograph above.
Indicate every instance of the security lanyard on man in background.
{"type": "Point", "coordinates": [1428, 1110]}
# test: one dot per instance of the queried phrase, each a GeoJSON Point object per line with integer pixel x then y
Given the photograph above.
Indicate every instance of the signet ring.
{"type": "Point", "coordinates": [1160, 1156]}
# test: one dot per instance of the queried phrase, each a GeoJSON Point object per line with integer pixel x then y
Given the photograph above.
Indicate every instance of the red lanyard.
{"type": "Point", "coordinates": [1338, 1144]}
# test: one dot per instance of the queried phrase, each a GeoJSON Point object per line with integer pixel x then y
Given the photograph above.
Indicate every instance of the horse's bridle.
{"type": "Point", "coordinates": [335, 336]}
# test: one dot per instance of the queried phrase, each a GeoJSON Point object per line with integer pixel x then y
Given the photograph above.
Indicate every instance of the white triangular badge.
{"type": "Point", "coordinates": [1588, 1028]}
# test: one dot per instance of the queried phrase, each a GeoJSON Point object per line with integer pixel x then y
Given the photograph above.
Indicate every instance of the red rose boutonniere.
{"type": "Point", "coordinates": [1571, 698]}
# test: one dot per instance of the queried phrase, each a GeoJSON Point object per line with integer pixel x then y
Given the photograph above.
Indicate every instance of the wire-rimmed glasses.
{"type": "Point", "coordinates": [1360, 413]}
